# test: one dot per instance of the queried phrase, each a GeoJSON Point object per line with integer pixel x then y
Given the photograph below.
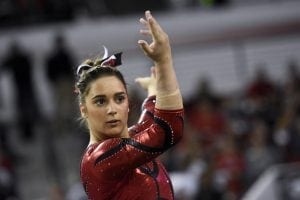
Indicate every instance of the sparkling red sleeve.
{"type": "Point", "coordinates": [114, 157]}
{"type": "Point", "coordinates": [146, 118]}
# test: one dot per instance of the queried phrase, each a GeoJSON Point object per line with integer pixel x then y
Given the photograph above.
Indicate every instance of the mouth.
{"type": "Point", "coordinates": [113, 122]}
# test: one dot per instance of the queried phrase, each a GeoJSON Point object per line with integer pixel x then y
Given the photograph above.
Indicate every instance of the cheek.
{"type": "Point", "coordinates": [124, 111]}
{"type": "Point", "coordinates": [96, 114]}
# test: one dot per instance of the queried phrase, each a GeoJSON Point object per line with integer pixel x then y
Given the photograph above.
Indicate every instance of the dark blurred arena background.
{"type": "Point", "coordinates": [238, 64]}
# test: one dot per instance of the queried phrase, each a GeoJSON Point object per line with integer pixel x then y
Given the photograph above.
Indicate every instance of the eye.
{"type": "Point", "coordinates": [120, 98]}
{"type": "Point", "coordinates": [100, 101]}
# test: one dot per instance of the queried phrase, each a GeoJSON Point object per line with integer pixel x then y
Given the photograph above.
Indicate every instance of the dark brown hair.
{"type": "Point", "coordinates": [95, 71]}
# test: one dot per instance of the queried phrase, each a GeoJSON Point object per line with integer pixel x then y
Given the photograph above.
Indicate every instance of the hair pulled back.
{"type": "Point", "coordinates": [92, 73]}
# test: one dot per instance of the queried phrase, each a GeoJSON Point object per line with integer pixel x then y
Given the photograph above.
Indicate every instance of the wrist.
{"type": "Point", "coordinates": [164, 59]}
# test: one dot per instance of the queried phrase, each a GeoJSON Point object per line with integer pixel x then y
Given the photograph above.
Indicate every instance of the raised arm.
{"type": "Point", "coordinates": [168, 95]}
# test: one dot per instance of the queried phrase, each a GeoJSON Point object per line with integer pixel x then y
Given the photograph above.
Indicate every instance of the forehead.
{"type": "Point", "coordinates": [106, 86]}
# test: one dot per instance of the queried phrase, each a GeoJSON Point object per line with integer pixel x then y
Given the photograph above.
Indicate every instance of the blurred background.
{"type": "Point", "coordinates": [238, 65]}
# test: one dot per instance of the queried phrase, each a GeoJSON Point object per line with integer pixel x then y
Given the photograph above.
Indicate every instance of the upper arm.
{"type": "Point", "coordinates": [146, 118]}
{"type": "Point", "coordinates": [114, 157]}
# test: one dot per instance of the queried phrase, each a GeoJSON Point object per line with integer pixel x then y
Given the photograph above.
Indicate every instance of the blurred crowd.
{"type": "Point", "coordinates": [30, 120]}
{"type": "Point", "coordinates": [230, 139]}
{"type": "Point", "coordinates": [26, 12]}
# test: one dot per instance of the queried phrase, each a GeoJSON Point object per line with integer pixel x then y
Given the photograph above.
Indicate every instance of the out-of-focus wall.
{"type": "Point", "coordinates": [223, 45]}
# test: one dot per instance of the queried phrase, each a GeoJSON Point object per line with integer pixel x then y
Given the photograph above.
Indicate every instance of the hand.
{"type": "Point", "coordinates": [148, 83]}
{"type": "Point", "coordinates": [159, 50]}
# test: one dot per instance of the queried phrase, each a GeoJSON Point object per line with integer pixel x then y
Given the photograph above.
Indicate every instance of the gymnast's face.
{"type": "Point", "coordinates": [106, 108]}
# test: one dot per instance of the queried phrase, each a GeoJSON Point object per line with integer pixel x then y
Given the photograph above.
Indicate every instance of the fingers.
{"type": "Point", "coordinates": [154, 28]}
{"type": "Point", "coordinates": [143, 82]}
{"type": "Point", "coordinates": [145, 32]}
{"type": "Point", "coordinates": [145, 47]}
{"type": "Point", "coordinates": [153, 49]}
{"type": "Point", "coordinates": [143, 21]}
{"type": "Point", "coordinates": [148, 14]}
{"type": "Point", "coordinates": [153, 25]}
{"type": "Point", "coordinates": [142, 79]}
{"type": "Point", "coordinates": [146, 24]}
{"type": "Point", "coordinates": [148, 83]}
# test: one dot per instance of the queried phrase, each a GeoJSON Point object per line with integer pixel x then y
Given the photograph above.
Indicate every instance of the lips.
{"type": "Point", "coordinates": [113, 122]}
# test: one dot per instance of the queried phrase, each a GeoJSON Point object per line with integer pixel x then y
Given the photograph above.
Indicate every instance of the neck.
{"type": "Point", "coordinates": [93, 140]}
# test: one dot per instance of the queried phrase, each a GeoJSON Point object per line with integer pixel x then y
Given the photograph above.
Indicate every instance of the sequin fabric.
{"type": "Point", "coordinates": [127, 168]}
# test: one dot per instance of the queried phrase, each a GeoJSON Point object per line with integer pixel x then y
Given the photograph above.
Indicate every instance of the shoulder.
{"type": "Point", "coordinates": [100, 151]}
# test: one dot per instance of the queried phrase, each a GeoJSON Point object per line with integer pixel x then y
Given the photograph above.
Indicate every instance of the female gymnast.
{"type": "Point", "coordinates": [120, 162]}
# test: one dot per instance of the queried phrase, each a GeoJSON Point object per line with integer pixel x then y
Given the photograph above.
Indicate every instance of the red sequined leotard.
{"type": "Point", "coordinates": [126, 168]}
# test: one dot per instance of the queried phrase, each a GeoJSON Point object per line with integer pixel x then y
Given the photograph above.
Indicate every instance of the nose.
{"type": "Point", "coordinates": [111, 109]}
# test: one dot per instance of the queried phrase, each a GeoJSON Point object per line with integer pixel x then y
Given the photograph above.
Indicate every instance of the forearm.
{"type": "Point", "coordinates": [168, 92]}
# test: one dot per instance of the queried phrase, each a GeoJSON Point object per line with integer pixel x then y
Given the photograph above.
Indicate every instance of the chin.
{"type": "Point", "coordinates": [117, 133]}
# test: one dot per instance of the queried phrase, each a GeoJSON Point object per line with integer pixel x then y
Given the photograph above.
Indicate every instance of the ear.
{"type": "Point", "coordinates": [83, 110]}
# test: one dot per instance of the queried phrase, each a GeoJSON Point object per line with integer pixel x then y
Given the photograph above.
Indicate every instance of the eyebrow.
{"type": "Point", "coordinates": [103, 96]}
{"type": "Point", "coordinates": [98, 96]}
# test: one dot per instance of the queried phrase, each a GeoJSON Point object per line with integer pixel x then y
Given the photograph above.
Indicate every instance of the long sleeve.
{"type": "Point", "coordinates": [146, 118]}
{"type": "Point", "coordinates": [113, 158]}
